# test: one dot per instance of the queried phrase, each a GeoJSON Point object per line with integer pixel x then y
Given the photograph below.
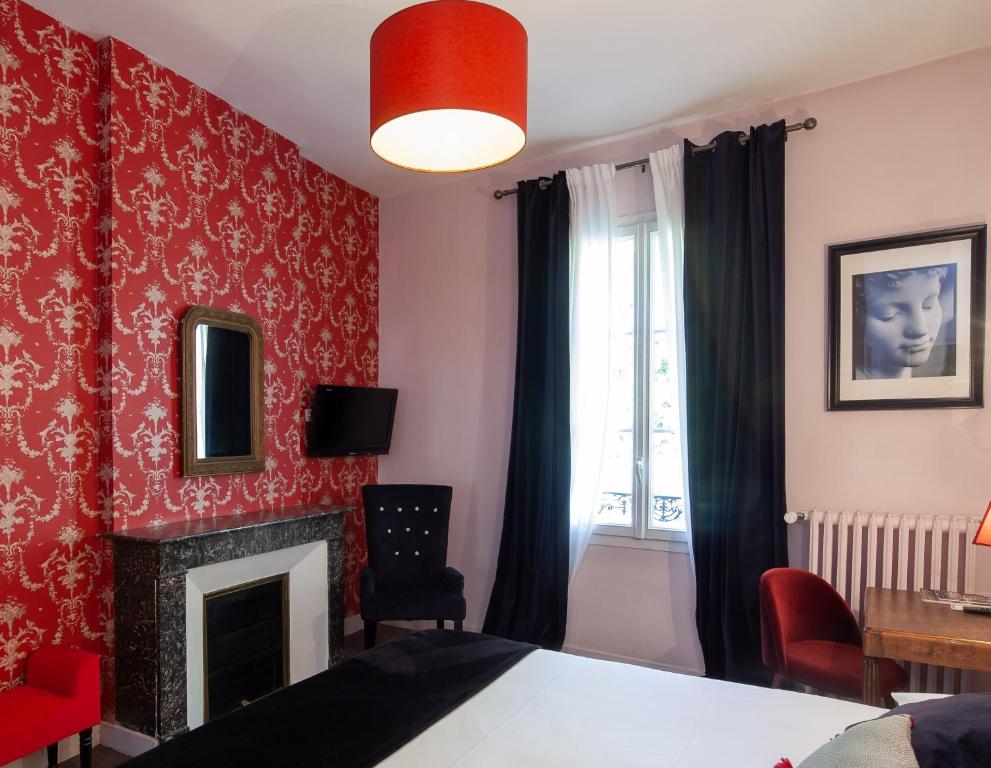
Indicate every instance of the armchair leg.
{"type": "Point", "coordinates": [440, 623]}
{"type": "Point", "coordinates": [53, 755]}
{"type": "Point", "coordinates": [370, 634]}
{"type": "Point", "coordinates": [86, 748]}
{"type": "Point", "coordinates": [458, 625]}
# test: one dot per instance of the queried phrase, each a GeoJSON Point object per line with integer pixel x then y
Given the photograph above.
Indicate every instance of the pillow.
{"type": "Point", "coordinates": [953, 731]}
{"type": "Point", "coordinates": [881, 743]}
{"type": "Point", "coordinates": [907, 697]}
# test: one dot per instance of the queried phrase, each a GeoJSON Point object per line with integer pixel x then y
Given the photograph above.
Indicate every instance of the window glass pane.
{"type": "Point", "coordinates": [666, 510]}
{"type": "Point", "coordinates": [616, 506]}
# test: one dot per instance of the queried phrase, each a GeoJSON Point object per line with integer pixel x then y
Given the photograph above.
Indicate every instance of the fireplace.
{"type": "Point", "coordinates": [182, 655]}
{"type": "Point", "coordinates": [246, 643]}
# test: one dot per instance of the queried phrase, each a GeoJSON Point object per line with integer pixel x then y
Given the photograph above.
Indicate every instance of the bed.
{"type": "Point", "coordinates": [555, 709]}
{"type": "Point", "coordinates": [445, 699]}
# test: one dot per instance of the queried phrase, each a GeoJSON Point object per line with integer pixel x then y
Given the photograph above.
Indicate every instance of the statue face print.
{"type": "Point", "coordinates": [902, 320]}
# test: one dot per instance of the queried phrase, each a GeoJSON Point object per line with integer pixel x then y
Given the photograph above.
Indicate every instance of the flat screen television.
{"type": "Point", "coordinates": [351, 421]}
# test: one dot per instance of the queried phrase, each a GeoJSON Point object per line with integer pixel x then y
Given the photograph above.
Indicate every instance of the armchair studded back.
{"type": "Point", "coordinates": [406, 526]}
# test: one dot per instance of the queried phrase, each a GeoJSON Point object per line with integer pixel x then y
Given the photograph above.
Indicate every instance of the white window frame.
{"type": "Point", "coordinates": [640, 535]}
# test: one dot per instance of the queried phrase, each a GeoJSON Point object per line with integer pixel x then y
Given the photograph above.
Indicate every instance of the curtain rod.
{"type": "Point", "coordinates": [808, 124]}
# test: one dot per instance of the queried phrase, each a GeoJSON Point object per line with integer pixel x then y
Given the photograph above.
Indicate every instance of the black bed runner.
{"type": "Point", "coordinates": [352, 716]}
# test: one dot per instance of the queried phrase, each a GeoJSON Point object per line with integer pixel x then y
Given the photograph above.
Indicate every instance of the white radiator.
{"type": "Point", "coordinates": [856, 550]}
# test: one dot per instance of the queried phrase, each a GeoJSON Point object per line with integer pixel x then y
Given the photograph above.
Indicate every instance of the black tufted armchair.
{"type": "Point", "coordinates": [407, 577]}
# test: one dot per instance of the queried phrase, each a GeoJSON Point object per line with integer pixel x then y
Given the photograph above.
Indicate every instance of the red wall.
{"type": "Point", "coordinates": [50, 563]}
{"type": "Point", "coordinates": [127, 195]}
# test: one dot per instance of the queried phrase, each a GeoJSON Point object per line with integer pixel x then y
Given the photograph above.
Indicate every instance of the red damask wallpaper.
{"type": "Point", "coordinates": [127, 195]}
{"type": "Point", "coordinates": [52, 575]}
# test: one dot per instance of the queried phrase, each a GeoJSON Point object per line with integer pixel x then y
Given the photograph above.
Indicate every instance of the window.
{"type": "Point", "coordinates": [643, 471]}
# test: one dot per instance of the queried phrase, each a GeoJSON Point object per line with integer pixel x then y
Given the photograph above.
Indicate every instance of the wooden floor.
{"type": "Point", "coordinates": [355, 642]}
{"type": "Point", "coordinates": [103, 757]}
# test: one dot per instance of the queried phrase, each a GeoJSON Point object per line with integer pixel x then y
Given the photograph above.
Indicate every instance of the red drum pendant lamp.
{"type": "Point", "coordinates": [448, 87]}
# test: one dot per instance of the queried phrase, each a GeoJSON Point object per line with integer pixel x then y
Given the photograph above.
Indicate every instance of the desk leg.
{"type": "Point", "coordinates": [872, 682]}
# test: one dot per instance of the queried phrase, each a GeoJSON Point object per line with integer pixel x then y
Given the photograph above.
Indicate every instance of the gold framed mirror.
{"type": "Point", "coordinates": [223, 418]}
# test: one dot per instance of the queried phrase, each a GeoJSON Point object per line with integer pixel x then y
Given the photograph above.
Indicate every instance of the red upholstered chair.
{"type": "Point", "coordinates": [60, 697]}
{"type": "Point", "coordinates": [809, 635]}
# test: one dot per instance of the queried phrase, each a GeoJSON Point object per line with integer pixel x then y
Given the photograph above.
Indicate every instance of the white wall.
{"type": "Point", "coordinates": [898, 153]}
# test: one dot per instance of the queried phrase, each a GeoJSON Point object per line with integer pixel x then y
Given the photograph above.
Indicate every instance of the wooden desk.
{"type": "Point", "coordinates": [898, 625]}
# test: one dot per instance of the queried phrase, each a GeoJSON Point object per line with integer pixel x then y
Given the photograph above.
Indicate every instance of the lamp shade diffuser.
{"type": "Point", "coordinates": [983, 536]}
{"type": "Point", "coordinates": [448, 87]}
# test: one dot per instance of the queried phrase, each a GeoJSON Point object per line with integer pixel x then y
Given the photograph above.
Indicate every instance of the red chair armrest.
{"type": "Point", "coordinates": [66, 672]}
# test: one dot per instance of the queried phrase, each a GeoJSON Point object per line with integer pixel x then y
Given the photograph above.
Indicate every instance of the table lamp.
{"type": "Point", "coordinates": [983, 536]}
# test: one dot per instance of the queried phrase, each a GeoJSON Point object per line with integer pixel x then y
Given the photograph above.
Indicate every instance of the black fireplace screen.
{"type": "Point", "coordinates": [246, 643]}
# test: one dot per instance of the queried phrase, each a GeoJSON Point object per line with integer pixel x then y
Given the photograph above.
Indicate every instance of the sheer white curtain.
{"type": "Point", "coordinates": [593, 231]}
{"type": "Point", "coordinates": [668, 173]}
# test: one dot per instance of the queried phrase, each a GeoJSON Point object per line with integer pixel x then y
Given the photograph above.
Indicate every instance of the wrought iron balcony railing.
{"type": "Point", "coordinates": [663, 509]}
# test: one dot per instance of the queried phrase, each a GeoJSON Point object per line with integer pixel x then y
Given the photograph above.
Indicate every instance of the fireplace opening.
{"type": "Point", "coordinates": [246, 643]}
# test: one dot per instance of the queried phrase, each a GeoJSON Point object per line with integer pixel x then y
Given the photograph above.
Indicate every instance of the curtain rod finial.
{"type": "Point", "coordinates": [809, 123]}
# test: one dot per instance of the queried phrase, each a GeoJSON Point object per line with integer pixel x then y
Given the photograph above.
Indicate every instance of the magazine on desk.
{"type": "Point", "coordinates": [956, 600]}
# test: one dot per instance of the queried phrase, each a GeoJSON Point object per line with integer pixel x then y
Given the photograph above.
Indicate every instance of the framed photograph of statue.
{"type": "Point", "coordinates": [906, 321]}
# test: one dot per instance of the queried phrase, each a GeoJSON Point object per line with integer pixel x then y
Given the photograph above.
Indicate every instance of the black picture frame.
{"type": "Point", "coordinates": [977, 236]}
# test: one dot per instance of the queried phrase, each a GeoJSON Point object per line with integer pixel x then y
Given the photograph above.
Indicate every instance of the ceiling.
{"type": "Point", "coordinates": [597, 67]}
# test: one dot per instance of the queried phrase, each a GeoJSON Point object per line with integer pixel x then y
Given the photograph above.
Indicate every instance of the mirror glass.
{"type": "Point", "coordinates": [223, 406]}
{"type": "Point", "coordinates": [223, 392]}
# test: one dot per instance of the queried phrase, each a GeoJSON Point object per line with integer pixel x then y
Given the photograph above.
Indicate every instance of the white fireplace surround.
{"type": "Point", "coordinates": [308, 611]}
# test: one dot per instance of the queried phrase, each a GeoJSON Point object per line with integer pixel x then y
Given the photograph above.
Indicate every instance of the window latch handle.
{"type": "Point", "coordinates": [640, 470]}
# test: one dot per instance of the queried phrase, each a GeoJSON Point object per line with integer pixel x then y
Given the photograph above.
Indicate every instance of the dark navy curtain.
{"type": "Point", "coordinates": [734, 334]}
{"type": "Point", "coordinates": [529, 600]}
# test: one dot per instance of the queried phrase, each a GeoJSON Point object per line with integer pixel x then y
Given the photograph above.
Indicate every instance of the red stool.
{"type": "Point", "coordinates": [809, 635]}
{"type": "Point", "coordinates": [60, 697]}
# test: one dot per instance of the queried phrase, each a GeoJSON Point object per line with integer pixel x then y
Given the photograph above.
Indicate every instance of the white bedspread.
{"type": "Point", "coordinates": [554, 709]}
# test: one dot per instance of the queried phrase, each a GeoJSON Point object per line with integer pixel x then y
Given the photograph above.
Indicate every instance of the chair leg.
{"type": "Point", "coordinates": [440, 623]}
{"type": "Point", "coordinates": [370, 634]}
{"type": "Point", "coordinates": [53, 755]}
{"type": "Point", "coordinates": [458, 625]}
{"type": "Point", "coordinates": [86, 748]}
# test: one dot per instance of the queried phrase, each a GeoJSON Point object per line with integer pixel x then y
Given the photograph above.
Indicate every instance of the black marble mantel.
{"type": "Point", "coordinates": [150, 566]}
